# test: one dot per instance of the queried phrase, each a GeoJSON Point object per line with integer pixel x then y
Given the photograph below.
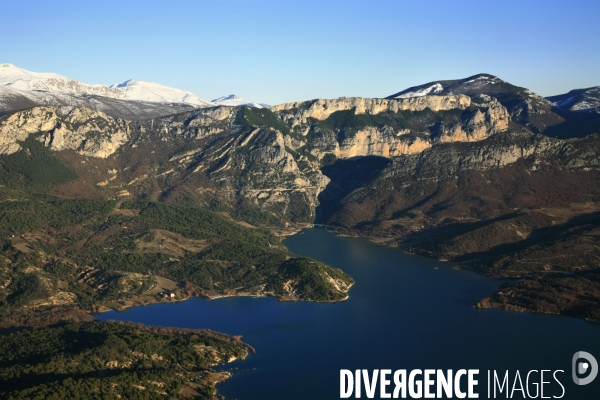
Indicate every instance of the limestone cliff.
{"type": "Point", "coordinates": [270, 158]}
{"type": "Point", "coordinates": [481, 124]}
{"type": "Point", "coordinates": [399, 126]}
{"type": "Point", "coordinates": [94, 134]}
{"type": "Point", "coordinates": [383, 142]}
{"type": "Point", "coordinates": [90, 133]}
{"type": "Point", "coordinates": [233, 160]}
{"type": "Point", "coordinates": [299, 112]}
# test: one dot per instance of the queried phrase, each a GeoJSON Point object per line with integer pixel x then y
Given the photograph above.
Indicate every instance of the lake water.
{"type": "Point", "coordinates": [404, 312]}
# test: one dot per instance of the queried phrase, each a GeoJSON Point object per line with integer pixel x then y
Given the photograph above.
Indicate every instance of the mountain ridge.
{"type": "Point", "coordinates": [233, 100]}
{"type": "Point", "coordinates": [16, 78]}
{"type": "Point", "coordinates": [582, 100]}
{"type": "Point", "coordinates": [131, 99]}
{"type": "Point", "coordinates": [550, 116]}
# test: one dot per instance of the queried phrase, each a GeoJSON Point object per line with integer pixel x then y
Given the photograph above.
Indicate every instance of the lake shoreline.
{"type": "Point", "coordinates": [399, 305]}
{"type": "Point", "coordinates": [488, 302]}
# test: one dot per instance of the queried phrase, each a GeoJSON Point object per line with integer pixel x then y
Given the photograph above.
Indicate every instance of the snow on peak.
{"type": "Point", "coordinates": [120, 85]}
{"type": "Point", "coordinates": [17, 78]}
{"type": "Point", "coordinates": [491, 79]}
{"type": "Point", "coordinates": [20, 79]}
{"type": "Point", "coordinates": [150, 91]}
{"type": "Point", "coordinates": [433, 89]}
{"type": "Point", "coordinates": [40, 84]}
{"type": "Point", "coordinates": [227, 98]}
{"type": "Point", "coordinates": [10, 68]}
{"type": "Point", "coordinates": [484, 97]}
{"type": "Point", "coordinates": [234, 100]}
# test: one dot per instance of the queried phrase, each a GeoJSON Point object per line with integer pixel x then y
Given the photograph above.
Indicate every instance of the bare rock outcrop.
{"type": "Point", "coordinates": [483, 123]}
{"type": "Point", "coordinates": [89, 132]}
{"type": "Point", "coordinates": [299, 112]}
{"type": "Point", "coordinates": [473, 122]}
{"type": "Point", "coordinates": [384, 142]}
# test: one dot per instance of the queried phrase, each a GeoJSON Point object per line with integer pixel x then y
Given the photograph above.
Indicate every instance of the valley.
{"type": "Point", "coordinates": [104, 210]}
{"type": "Point", "coordinates": [465, 175]}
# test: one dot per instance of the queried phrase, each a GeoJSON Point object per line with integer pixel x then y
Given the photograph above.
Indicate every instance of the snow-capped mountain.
{"type": "Point", "coordinates": [132, 99]}
{"type": "Point", "coordinates": [582, 100]}
{"type": "Point", "coordinates": [15, 78]}
{"type": "Point", "coordinates": [150, 91]}
{"type": "Point", "coordinates": [436, 88]}
{"type": "Point", "coordinates": [234, 100]}
{"type": "Point", "coordinates": [525, 107]}
{"type": "Point", "coordinates": [477, 84]}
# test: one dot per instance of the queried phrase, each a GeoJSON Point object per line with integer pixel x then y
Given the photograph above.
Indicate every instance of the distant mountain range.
{"type": "Point", "coordinates": [135, 99]}
{"type": "Point", "coordinates": [235, 101]}
{"type": "Point", "coordinates": [132, 99]}
{"type": "Point", "coordinates": [579, 100]}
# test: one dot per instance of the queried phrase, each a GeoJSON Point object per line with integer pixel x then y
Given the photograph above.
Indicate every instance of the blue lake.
{"type": "Point", "coordinates": [404, 312]}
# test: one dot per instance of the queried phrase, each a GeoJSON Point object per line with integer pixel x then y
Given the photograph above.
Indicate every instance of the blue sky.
{"type": "Point", "coordinates": [280, 51]}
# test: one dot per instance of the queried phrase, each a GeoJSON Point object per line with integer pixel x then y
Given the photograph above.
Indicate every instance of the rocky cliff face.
{"type": "Point", "coordinates": [67, 127]}
{"type": "Point", "coordinates": [88, 132]}
{"type": "Point", "coordinates": [269, 166]}
{"type": "Point", "coordinates": [467, 182]}
{"type": "Point", "coordinates": [215, 155]}
{"type": "Point", "coordinates": [446, 162]}
{"type": "Point", "coordinates": [492, 117]}
{"type": "Point", "coordinates": [382, 142]}
{"type": "Point", "coordinates": [299, 113]}
{"type": "Point", "coordinates": [256, 166]}
{"type": "Point", "coordinates": [272, 158]}
{"type": "Point", "coordinates": [557, 116]}
{"type": "Point", "coordinates": [405, 126]}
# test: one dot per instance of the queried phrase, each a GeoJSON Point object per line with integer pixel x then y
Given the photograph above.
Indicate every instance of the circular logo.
{"type": "Point", "coordinates": [583, 367]}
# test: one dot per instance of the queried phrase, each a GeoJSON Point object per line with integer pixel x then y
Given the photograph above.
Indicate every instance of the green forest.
{"type": "Point", "coordinates": [98, 254]}
{"type": "Point", "coordinates": [92, 360]}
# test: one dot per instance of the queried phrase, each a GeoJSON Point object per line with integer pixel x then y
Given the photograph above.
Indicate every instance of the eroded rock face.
{"type": "Point", "coordinates": [90, 133]}
{"type": "Point", "coordinates": [264, 164]}
{"type": "Point", "coordinates": [476, 123]}
{"type": "Point", "coordinates": [483, 123]}
{"type": "Point", "coordinates": [379, 142]}
{"type": "Point", "coordinates": [370, 141]}
{"type": "Point", "coordinates": [94, 134]}
{"type": "Point", "coordinates": [240, 162]}
{"type": "Point", "coordinates": [299, 112]}
{"type": "Point", "coordinates": [445, 162]}
{"type": "Point", "coordinates": [18, 126]}
{"type": "Point", "coordinates": [466, 182]}
{"type": "Point", "coordinates": [271, 176]}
